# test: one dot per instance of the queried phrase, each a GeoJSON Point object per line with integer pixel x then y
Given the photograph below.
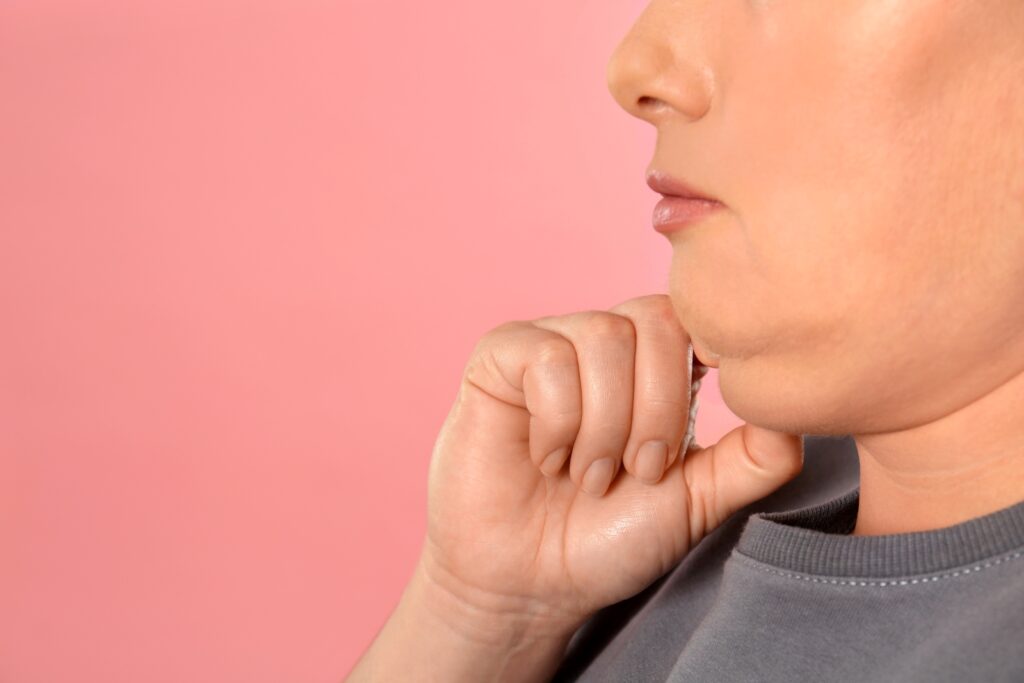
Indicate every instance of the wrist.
{"type": "Point", "coordinates": [443, 630]}
{"type": "Point", "coordinates": [485, 617]}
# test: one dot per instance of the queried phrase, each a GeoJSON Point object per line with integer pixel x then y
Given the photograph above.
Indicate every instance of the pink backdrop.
{"type": "Point", "coordinates": [245, 250]}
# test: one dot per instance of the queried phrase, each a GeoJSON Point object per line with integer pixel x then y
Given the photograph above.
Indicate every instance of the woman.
{"type": "Point", "coordinates": [860, 274]}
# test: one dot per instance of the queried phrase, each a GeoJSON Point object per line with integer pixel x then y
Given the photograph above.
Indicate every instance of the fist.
{"type": "Point", "coordinates": [564, 477]}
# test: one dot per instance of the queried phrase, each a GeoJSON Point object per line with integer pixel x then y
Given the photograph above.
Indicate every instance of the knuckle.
{"type": "Point", "coordinates": [505, 328]}
{"type": "Point", "coordinates": [656, 303]}
{"type": "Point", "coordinates": [662, 311]}
{"type": "Point", "coordinates": [665, 407]}
{"type": "Point", "coordinates": [651, 313]}
{"type": "Point", "coordinates": [492, 337]}
{"type": "Point", "coordinates": [608, 326]}
{"type": "Point", "coordinates": [554, 350]}
{"type": "Point", "coordinates": [659, 315]}
{"type": "Point", "coordinates": [482, 367]}
{"type": "Point", "coordinates": [752, 457]}
{"type": "Point", "coordinates": [699, 502]}
{"type": "Point", "coordinates": [644, 302]}
{"type": "Point", "coordinates": [564, 415]}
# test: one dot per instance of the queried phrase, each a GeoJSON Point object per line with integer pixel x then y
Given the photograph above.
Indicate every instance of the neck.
{"type": "Point", "coordinates": [967, 464]}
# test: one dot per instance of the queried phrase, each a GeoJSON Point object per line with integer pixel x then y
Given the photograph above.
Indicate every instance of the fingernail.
{"type": "Point", "coordinates": [598, 476]}
{"type": "Point", "coordinates": [650, 461]}
{"type": "Point", "coordinates": [553, 462]}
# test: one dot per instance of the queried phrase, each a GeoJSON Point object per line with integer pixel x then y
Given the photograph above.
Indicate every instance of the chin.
{"type": "Point", "coordinates": [786, 394]}
{"type": "Point", "coordinates": [703, 354]}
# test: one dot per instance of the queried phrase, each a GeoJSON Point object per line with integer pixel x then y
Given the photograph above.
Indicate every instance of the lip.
{"type": "Point", "coordinates": [663, 183]}
{"type": "Point", "coordinates": [676, 213]}
{"type": "Point", "coordinates": [682, 205]}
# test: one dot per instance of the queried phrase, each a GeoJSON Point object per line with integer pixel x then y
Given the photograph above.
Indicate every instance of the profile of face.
{"type": "Point", "coordinates": [866, 273]}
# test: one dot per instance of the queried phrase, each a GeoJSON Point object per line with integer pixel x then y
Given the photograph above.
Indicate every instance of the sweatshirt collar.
{"type": "Point", "coordinates": [816, 540]}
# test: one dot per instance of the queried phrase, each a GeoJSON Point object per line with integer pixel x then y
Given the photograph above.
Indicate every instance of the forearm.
{"type": "Point", "coordinates": [435, 635]}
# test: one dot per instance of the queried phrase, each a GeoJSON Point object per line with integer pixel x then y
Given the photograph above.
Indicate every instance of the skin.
{"type": "Point", "coordinates": [866, 276]}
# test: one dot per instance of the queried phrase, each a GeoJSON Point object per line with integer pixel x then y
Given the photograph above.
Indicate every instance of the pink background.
{"type": "Point", "coordinates": [245, 250]}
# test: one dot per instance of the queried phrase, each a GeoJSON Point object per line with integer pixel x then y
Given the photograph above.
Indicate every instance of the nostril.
{"type": "Point", "coordinates": [650, 104]}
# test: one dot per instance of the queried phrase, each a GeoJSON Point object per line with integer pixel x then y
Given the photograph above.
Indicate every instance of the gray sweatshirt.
{"type": "Point", "coordinates": [782, 592]}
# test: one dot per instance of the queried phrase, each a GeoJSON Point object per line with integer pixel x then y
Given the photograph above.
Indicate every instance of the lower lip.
{"type": "Point", "coordinates": [676, 213]}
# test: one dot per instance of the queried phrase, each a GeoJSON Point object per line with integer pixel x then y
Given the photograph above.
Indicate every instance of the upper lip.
{"type": "Point", "coordinates": [663, 183]}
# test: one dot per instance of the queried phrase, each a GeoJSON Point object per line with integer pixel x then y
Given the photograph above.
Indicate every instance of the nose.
{"type": "Point", "coordinates": [659, 71]}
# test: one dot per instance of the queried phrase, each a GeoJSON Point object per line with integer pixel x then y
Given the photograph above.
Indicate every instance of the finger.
{"type": "Point", "coordinates": [554, 400]}
{"type": "Point", "coordinates": [661, 391]}
{"type": "Point", "coordinates": [605, 346]}
{"type": "Point", "coordinates": [745, 465]}
{"type": "Point", "coordinates": [533, 370]}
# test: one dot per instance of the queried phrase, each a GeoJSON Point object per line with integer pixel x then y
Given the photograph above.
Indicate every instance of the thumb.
{"type": "Point", "coordinates": [745, 465]}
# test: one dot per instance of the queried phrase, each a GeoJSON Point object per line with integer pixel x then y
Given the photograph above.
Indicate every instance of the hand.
{"type": "Point", "coordinates": [551, 408]}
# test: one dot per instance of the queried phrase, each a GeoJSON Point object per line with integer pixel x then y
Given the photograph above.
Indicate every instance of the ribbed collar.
{"type": "Point", "coordinates": [817, 540]}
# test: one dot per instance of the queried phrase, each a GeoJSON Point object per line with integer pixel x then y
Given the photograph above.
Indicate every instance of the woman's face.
{"type": "Point", "coordinates": [870, 156]}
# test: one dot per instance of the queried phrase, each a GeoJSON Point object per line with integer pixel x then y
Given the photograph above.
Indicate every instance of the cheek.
{"type": "Point", "coordinates": [844, 206]}
{"type": "Point", "coordinates": [841, 145]}
{"type": "Point", "coordinates": [850, 185]}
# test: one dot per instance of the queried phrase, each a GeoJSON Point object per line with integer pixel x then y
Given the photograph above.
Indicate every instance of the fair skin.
{"type": "Point", "coordinates": [870, 157]}
{"type": "Point", "coordinates": [871, 153]}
